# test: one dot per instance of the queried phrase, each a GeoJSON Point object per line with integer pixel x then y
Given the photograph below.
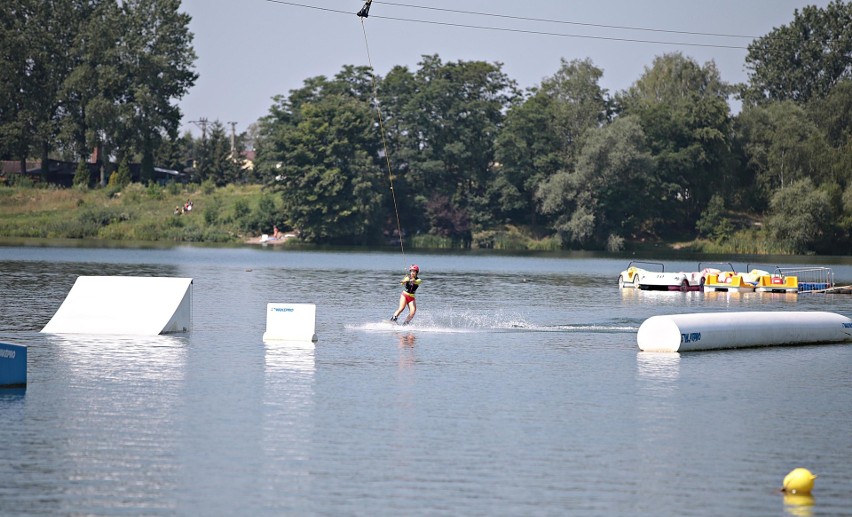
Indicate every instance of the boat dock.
{"type": "Point", "coordinates": [846, 289]}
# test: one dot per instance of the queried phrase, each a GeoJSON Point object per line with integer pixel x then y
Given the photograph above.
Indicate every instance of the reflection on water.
{"type": "Point", "coordinates": [658, 370]}
{"type": "Point", "coordinates": [657, 383]}
{"type": "Point", "coordinates": [287, 438]}
{"type": "Point", "coordinates": [713, 300]}
{"type": "Point", "coordinates": [747, 300]}
{"type": "Point", "coordinates": [674, 299]}
{"type": "Point", "coordinates": [630, 295]}
{"type": "Point", "coordinates": [153, 358]}
{"type": "Point", "coordinates": [783, 297]}
{"type": "Point", "coordinates": [407, 357]}
{"type": "Point", "coordinates": [102, 422]}
{"type": "Point", "coordinates": [800, 505]}
{"type": "Point", "coordinates": [657, 376]}
{"type": "Point", "coordinates": [289, 356]}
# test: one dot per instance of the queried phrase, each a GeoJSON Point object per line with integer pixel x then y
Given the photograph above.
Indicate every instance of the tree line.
{"type": "Point", "coordinates": [459, 152]}
{"type": "Point", "coordinates": [455, 151]}
{"type": "Point", "coordinates": [79, 75]}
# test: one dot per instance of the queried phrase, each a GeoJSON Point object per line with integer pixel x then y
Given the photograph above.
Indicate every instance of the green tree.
{"type": "Point", "coordinates": [395, 92]}
{"type": "Point", "coordinates": [326, 173]}
{"type": "Point", "coordinates": [34, 38]}
{"type": "Point", "coordinates": [16, 121]}
{"type": "Point", "coordinates": [173, 153]}
{"type": "Point", "coordinates": [782, 146]}
{"type": "Point", "coordinates": [90, 115]}
{"type": "Point", "coordinates": [580, 103]}
{"type": "Point", "coordinates": [831, 114]}
{"type": "Point", "coordinates": [81, 175]}
{"type": "Point", "coordinates": [610, 192]}
{"type": "Point", "coordinates": [121, 177]}
{"type": "Point", "coordinates": [543, 135]}
{"type": "Point", "coordinates": [685, 116]}
{"type": "Point", "coordinates": [55, 26]}
{"type": "Point", "coordinates": [527, 152]}
{"type": "Point", "coordinates": [248, 144]}
{"type": "Point", "coordinates": [802, 60]}
{"type": "Point", "coordinates": [713, 223]}
{"type": "Point", "coordinates": [800, 216]}
{"type": "Point", "coordinates": [158, 58]}
{"type": "Point", "coordinates": [92, 73]}
{"type": "Point", "coordinates": [440, 125]}
{"type": "Point", "coordinates": [284, 115]}
{"type": "Point", "coordinates": [453, 118]}
{"type": "Point", "coordinates": [844, 221]}
{"type": "Point", "coordinates": [214, 157]}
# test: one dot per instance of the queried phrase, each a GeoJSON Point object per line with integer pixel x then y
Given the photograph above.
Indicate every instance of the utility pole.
{"type": "Point", "coordinates": [202, 123]}
{"type": "Point", "coordinates": [234, 141]}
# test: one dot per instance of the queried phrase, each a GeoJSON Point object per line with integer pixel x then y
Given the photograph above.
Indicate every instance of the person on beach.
{"type": "Point", "coordinates": [410, 284]}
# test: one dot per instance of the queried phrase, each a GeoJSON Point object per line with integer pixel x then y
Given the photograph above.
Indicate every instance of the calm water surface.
{"type": "Point", "coordinates": [519, 391]}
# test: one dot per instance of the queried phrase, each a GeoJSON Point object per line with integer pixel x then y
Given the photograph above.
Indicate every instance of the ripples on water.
{"type": "Point", "coordinates": [519, 390]}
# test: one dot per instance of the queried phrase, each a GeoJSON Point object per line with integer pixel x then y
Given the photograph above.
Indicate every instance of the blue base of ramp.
{"type": "Point", "coordinates": [13, 366]}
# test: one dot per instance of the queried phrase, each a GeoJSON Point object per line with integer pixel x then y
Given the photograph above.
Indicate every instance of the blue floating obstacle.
{"type": "Point", "coordinates": [718, 330]}
{"type": "Point", "coordinates": [13, 366]}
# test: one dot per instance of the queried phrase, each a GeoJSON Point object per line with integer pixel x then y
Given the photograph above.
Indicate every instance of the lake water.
{"type": "Point", "coordinates": [519, 390]}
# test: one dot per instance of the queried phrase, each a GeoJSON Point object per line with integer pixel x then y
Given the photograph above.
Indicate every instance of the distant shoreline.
{"type": "Point", "coordinates": [271, 241]}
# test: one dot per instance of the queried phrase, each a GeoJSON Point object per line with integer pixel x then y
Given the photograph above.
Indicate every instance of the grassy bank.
{"type": "Point", "coordinates": [235, 214]}
{"type": "Point", "coordinates": [231, 214]}
{"type": "Point", "coordinates": [138, 213]}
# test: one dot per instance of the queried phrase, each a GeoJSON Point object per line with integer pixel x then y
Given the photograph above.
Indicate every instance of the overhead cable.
{"type": "Point", "coordinates": [518, 31]}
{"type": "Point", "coordinates": [568, 22]}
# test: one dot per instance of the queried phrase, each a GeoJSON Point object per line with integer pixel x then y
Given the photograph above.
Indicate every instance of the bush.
{"type": "Point", "coordinates": [81, 176]}
{"type": "Point", "coordinates": [132, 193]}
{"type": "Point", "coordinates": [211, 214]}
{"type": "Point", "coordinates": [431, 241]}
{"type": "Point", "coordinates": [614, 243]}
{"type": "Point", "coordinates": [263, 217]}
{"type": "Point", "coordinates": [172, 188]}
{"type": "Point", "coordinates": [77, 229]}
{"type": "Point", "coordinates": [21, 181]}
{"type": "Point", "coordinates": [154, 191]}
{"type": "Point", "coordinates": [713, 223]}
{"type": "Point", "coordinates": [800, 216]}
{"type": "Point", "coordinates": [121, 177]}
{"type": "Point", "coordinates": [100, 216]}
{"type": "Point", "coordinates": [508, 239]}
{"type": "Point", "coordinates": [208, 187]}
{"type": "Point", "coordinates": [545, 244]}
{"type": "Point", "coordinates": [241, 210]}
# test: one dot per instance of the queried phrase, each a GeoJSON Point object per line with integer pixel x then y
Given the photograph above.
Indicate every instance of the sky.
{"type": "Point", "coordinates": [252, 50]}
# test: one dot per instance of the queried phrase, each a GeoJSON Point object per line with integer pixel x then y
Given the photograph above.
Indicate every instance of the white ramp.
{"type": "Point", "coordinates": [130, 305]}
{"type": "Point", "coordinates": [294, 322]}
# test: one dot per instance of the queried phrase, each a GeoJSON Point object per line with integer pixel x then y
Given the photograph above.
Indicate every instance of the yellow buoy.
{"type": "Point", "coordinates": [799, 481]}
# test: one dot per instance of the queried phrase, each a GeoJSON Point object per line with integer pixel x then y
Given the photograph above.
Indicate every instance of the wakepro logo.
{"type": "Point", "coordinates": [692, 337]}
{"type": "Point", "coordinates": [283, 309]}
{"type": "Point", "coordinates": [5, 353]}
